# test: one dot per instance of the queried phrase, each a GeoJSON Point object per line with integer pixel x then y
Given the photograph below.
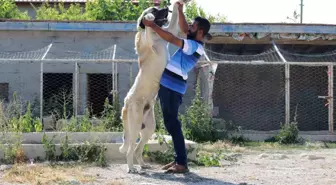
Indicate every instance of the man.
{"type": "Point", "coordinates": [173, 83]}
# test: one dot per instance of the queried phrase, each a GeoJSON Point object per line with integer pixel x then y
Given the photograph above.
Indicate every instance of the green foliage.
{"type": "Point", "coordinates": [192, 10]}
{"type": "Point", "coordinates": [49, 147]}
{"type": "Point", "coordinates": [104, 10]}
{"type": "Point", "coordinates": [12, 148]}
{"type": "Point", "coordinates": [167, 156]}
{"type": "Point", "coordinates": [59, 12]}
{"type": "Point", "coordinates": [9, 10]}
{"type": "Point", "coordinates": [209, 159]}
{"type": "Point", "coordinates": [288, 134]}
{"type": "Point", "coordinates": [111, 115]}
{"type": "Point", "coordinates": [197, 121]}
{"type": "Point", "coordinates": [25, 123]}
{"type": "Point", "coordinates": [86, 152]}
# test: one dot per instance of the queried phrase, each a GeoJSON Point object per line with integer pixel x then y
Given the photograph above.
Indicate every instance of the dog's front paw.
{"type": "Point", "coordinates": [150, 17]}
{"type": "Point", "coordinates": [132, 170]}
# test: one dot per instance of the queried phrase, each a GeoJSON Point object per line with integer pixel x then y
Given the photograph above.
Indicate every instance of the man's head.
{"type": "Point", "coordinates": [199, 29]}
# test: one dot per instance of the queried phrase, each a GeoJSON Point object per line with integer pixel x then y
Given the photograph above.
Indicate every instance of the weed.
{"type": "Point", "coordinates": [197, 121]}
{"type": "Point", "coordinates": [209, 159]}
{"type": "Point", "coordinates": [50, 148]}
{"type": "Point", "coordinates": [288, 134]}
{"type": "Point", "coordinates": [87, 152]}
{"type": "Point", "coordinates": [13, 152]}
{"type": "Point", "coordinates": [111, 115]}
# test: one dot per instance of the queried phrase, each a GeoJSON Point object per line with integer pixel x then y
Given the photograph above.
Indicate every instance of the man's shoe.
{"type": "Point", "coordinates": [167, 166]}
{"type": "Point", "coordinates": [177, 169]}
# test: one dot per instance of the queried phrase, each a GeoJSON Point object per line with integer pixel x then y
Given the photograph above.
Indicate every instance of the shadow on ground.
{"type": "Point", "coordinates": [190, 178]}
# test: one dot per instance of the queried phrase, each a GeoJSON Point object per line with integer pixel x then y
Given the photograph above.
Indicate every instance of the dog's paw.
{"type": "Point", "coordinates": [149, 17]}
{"type": "Point", "coordinates": [132, 170]}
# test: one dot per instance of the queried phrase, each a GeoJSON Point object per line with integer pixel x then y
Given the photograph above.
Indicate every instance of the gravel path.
{"type": "Point", "coordinates": [299, 167]}
{"type": "Point", "coordinates": [276, 168]}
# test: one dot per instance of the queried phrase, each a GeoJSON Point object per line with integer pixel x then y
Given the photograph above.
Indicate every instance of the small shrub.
{"type": "Point", "coordinates": [288, 134]}
{"type": "Point", "coordinates": [12, 148]}
{"type": "Point", "coordinates": [50, 148]}
{"type": "Point", "coordinates": [25, 123]}
{"type": "Point", "coordinates": [111, 115]}
{"type": "Point", "coordinates": [197, 121]}
{"type": "Point", "coordinates": [87, 152]}
{"type": "Point", "coordinates": [209, 159]}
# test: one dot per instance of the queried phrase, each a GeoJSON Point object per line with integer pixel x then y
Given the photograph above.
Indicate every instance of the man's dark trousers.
{"type": "Point", "coordinates": [170, 103]}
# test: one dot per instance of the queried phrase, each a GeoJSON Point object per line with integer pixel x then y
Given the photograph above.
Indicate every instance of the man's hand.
{"type": "Point", "coordinates": [148, 23]}
{"type": "Point", "coordinates": [179, 5]}
{"type": "Point", "coordinates": [182, 20]}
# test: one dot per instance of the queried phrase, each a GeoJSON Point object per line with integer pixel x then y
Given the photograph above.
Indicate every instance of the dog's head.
{"type": "Point", "coordinates": [160, 14]}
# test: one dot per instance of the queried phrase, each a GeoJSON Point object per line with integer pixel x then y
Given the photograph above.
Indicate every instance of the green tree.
{"type": "Point", "coordinates": [59, 12]}
{"type": "Point", "coordinates": [192, 10]}
{"type": "Point", "coordinates": [9, 10]}
{"type": "Point", "coordinates": [122, 10]}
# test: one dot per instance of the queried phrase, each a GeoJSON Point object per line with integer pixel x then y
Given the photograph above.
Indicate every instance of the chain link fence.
{"type": "Point", "coordinates": [256, 92]}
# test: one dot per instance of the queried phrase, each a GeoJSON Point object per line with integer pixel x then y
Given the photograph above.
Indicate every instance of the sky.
{"type": "Point", "coordinates": [271, 11]}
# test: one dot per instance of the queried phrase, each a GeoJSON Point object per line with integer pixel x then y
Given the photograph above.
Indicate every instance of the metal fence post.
{"type": "Point", "coordinates": [41, 82]}
{"type": "Point", "coordinates": [114, 68]}
{"type": "Point", "coordinates": [76, 90]}
{"type": "Point", "coordinates": [287, 92]}
{"type": "Point", "coordinates": [331, 97]}
{"type": "Point", "coordinates": [287, 83]}
{"type": "Point", "coordinates": [41, 92]}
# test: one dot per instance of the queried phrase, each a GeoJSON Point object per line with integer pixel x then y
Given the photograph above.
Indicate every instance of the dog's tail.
{"type": "Point", "coordinates": [123, 148]}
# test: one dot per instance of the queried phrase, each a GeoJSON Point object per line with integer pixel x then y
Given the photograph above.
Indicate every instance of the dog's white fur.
{"type": "Point", "coordinates": [139, 103]}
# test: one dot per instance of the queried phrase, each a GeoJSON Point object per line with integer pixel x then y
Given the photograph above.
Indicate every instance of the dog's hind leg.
{"type": "Point", "coordinates": [134, 121]}
{"type": "Point", "coordinates": [124, 146]}
{"type": "Point", "coordinates": [146, 133]}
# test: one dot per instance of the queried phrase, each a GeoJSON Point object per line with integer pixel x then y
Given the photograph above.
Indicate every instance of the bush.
{"type": "Point", "coordinates": [288, 134]}
{"type": "Point", "coordinates": [197, 121]}
{"type": "Point", "coordinates": [111, 115]}
{"type": "Point", "coordinates": [9, 10]}
{"type": "Point", "coordinates": [58, 12]}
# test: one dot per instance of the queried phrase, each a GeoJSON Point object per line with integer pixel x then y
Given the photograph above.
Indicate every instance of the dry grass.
{"type": "Point", "coordinates": [222, 145]}
{"type": "Point", "coordinates": [45, 174]}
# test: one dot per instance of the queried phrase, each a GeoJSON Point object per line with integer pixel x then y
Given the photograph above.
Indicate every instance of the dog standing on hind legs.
{"type": "Point", "coordinates": [138, 112]}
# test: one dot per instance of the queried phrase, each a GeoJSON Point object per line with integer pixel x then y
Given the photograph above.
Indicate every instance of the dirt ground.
{"type": "Point", "coordinates": [283, 167]}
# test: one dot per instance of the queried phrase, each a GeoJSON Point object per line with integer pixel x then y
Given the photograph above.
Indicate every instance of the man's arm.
{"type": "Point", "coordinates": [182, 20]}
{"type": "Point", "coordinates": [165, 35]}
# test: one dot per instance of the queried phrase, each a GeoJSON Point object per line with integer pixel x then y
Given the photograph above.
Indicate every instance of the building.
{"type": "Point", "coordinates": [251, 96]}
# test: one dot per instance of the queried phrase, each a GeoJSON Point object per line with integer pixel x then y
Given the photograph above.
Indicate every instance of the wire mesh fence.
{"type": "Point", "coordinates": [255, 92]}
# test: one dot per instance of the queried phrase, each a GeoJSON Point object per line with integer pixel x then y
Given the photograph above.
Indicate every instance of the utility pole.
{"type": "Point", "coordinates": [301, 13]}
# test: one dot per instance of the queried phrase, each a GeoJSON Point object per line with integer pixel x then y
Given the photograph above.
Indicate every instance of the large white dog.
{"type": "Point", "coordinates": [138, 111]}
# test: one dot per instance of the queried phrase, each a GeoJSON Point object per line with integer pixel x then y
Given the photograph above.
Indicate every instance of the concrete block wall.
{"type": "Point", "coordinates": [24, 77]}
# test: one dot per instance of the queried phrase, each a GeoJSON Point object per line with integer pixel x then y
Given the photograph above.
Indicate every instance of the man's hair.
{"type": "Point", "coordinates": [203, 24]}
